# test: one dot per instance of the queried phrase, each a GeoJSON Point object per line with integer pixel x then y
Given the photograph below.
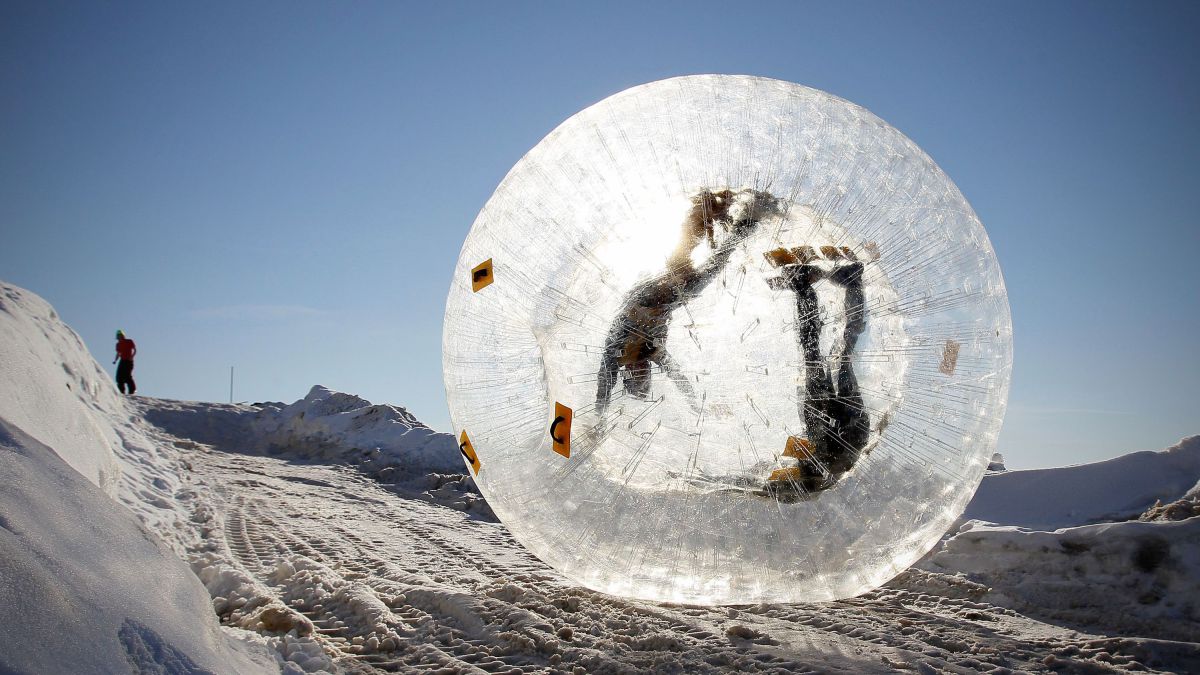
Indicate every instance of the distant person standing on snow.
{"type": "Point", "coordinates": [126, 350]}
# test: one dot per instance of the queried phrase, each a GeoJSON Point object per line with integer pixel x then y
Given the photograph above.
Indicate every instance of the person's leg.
{"type": "Point", "coordinates": [606, 379]}
{"type": "Point", "coordinates": [132, 384]}
{"type": "Point", "coordinates": [615, 346]}
{"type": "Point", "coordinates": [853, 423]}
{"type": "Point", "coordinates": [836, 421]}
{"type": "Point", "coordinates": [122, 375]}
{"type": "Point", "coordinates": [815, 392]}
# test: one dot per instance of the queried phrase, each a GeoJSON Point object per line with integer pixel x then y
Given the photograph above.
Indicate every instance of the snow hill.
{"type": "Point", "coordinates": [87, 586]}
{"type": "Point", "coordinates": [1116, 489]}
{"type": "Point", "coordinates": [318, 534]}
{"type": "Point", "coordinates": [97, 510]}
{"type": "Point", "coordinates": [1118, 539]}
{"type": "Point", "coordinates": [87, 589]}
{"type": "Point", "coordinates": [385, 441]}
{"type": "Point", "coordinates": [54, 390]}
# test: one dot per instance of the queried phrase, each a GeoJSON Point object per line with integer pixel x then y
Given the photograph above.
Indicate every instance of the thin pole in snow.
{"type": "Point", "coordinates": [231, 384]}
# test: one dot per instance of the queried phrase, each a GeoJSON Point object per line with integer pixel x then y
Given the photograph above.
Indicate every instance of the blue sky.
{"type": "Point", "coordinates": [284, 187]}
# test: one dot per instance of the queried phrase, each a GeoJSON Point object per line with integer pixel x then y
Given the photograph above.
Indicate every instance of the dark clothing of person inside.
{"type": "Point", "coordinates": [836, 421]}
{"type": "Point", "coordinates": [637, 337]}
{"type": "Point", "coordinates": [830, 403]}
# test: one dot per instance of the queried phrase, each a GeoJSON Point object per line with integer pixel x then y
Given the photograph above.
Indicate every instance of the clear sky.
{"type": "Point", "coordinates": [284, 187]}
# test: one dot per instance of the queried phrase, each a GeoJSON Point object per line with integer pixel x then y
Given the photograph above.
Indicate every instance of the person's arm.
{"type": "Point", "coordinates": [133, 349]}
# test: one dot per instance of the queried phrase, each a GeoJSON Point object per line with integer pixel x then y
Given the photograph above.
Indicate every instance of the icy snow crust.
{"type": "Point", "coordinates": [316, 553]}
{"type": "Point", "coordinates": [638, 508]}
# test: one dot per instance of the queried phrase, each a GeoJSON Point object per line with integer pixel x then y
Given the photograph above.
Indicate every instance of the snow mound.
{"type": "Point", "coordinates": [1181, 509]}
{"type": "Point", "coordinates": [1111, 546]}
{"type": "Point", "coordinates": [54, 390]}
{"type": "Point", "coordinates": [332, 425]}
{"type": "Point", "coordinates": [88, 589]}
{"type": "Point", "coordinates": [1131, 578]}
{"type": "Point", "coordinates": [996, 465]}
{"type": "Point", "coordinates": [1116, 489]}
{"type": "Point", "coordinates": [383, 441]}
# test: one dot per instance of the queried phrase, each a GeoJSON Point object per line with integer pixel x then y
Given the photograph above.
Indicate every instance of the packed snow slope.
{"type": "Point", "coordinates": [86, 584]}
{"type": "Point", "coordinates": [54, 390]}
{"type": "Point", "coordinates": [87, 589]}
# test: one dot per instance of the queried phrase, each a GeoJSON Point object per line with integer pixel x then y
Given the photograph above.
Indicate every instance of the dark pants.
{"type": "Point", "coordinates": [125, 376]}
{"type": "Point", "coordinates": [835, 420]}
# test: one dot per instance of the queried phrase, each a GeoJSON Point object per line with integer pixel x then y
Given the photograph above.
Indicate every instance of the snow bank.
{"type": "Point", "coordinates": [1116, 489]}
{"type": "Point", "coordinates": [87, 589]}
{"type": "Point", "coordinates": [383, 441]}
{"type": "Point", "coordinates": [1112, 546]}
{"type": "Point", "coordinates": [72, 558]}
{"type": "Point", "coordinates": [1131, 578]}
{"type": "Point", "coordinates": [327, 424]}
{"type": "Point", "coordinates": [54, 390]}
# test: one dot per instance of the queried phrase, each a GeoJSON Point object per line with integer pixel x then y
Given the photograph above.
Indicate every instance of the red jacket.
{"type": "Point", "coordinates": [126, 349]}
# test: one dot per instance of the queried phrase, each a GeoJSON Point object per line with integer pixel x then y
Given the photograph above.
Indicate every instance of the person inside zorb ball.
{"type": "Point", "coordinates": [725, 339]}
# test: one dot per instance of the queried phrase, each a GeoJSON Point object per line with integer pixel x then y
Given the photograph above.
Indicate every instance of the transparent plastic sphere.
{"type": "Point", "coordinates": [725, 339]}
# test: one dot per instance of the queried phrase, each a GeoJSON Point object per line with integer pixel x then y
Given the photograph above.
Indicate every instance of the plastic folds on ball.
{"type": "Point", "coordinates": [726, 339]}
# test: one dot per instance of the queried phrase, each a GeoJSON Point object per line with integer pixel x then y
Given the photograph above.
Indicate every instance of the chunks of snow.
{"type": "Point", "coordinates": [383, 441]}
{"type": "Point", "coordinates": [1137, 578]}
{"type": "Point", "coordinates": [1043, 542]}
{"type": "Point", "coordinates": [333, 425]}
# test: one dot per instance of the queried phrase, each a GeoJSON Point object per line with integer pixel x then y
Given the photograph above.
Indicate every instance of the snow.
{"type": "Point", "coordinates": [1046, 543]}
{"type": "Point", "coordinates": [383, 440]}
{"type": "Point", "coordinates": [331, 425]}
{"type": "Point", "coordinates": [87, 589]}
{"type": "Point", "coordinates": [54, 390]}
{"type": "Point", "coordinates": [1139, 578]}
{"type": "Point", "coordinates": [337, 535]}
{"type": "Point", "coordinates": [1116, 489]}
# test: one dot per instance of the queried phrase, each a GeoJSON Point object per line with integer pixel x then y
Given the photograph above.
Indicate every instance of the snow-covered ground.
{"type": "Point", "coordinates": [337, 535]}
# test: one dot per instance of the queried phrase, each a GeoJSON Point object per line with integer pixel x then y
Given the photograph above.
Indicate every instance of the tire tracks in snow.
{"type": "Point", "coordinates": [391, 583]}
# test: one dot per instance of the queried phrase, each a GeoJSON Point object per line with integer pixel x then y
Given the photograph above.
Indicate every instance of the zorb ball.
{"type": "Point", "coordinates": [725, 339]}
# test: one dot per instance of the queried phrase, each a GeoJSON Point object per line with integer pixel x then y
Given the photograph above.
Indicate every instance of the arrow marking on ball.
{"type": "Point", "coordinates": [468, 451]}
{"type": "Point", "coordinates": [482, 276]}
{"type": "Point", "coordinates": [560, 430]}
